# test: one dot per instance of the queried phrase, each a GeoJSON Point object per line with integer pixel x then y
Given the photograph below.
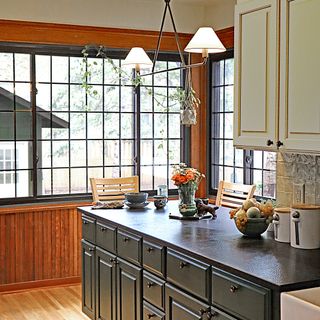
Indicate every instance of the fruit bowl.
{"type": "Point", "coordinates": [253, 228]}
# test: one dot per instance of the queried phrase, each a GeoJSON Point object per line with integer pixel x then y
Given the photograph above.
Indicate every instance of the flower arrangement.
{"type": "Point", "coordinates": [182, 174]}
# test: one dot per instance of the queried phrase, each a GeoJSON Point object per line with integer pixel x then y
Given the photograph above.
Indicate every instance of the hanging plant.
{"type": "Point", "coordinates": [186, 97]}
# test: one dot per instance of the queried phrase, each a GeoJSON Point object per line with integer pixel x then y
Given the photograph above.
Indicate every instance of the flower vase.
{"type": "Point", "coordinates": [187, 205]}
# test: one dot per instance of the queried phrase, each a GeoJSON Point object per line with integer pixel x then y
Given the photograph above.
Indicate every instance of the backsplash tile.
{"type": "Point", "coordinates": [297, 169]}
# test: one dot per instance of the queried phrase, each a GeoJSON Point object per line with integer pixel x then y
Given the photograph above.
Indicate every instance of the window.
{"type": "Point", "coordinates": [62, 133]}
{"type": "Point", "coordinates": [228, 163]}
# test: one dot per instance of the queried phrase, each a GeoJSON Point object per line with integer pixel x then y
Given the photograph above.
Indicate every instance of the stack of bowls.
{"type": "Point", "coordinates": [136, 200]}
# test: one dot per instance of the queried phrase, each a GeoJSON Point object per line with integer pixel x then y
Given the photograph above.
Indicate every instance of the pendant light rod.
{"type": "Point", "coordinates": [188, 66]}
{"type": "Point", "coordinates": [176, 34]}
{"type": "Point", "coordinates": [160, 37]}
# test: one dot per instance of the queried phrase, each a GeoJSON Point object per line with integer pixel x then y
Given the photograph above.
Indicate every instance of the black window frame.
{"type": "Point", "coordinates": [248, 155]}
{"type": "Point", "coordinates": [75, 51]}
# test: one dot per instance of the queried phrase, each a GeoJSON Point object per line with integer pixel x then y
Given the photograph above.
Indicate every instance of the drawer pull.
{"type": "Point", "coordinates": [85, 222]}
{"type": "Point", "coordinates": [126, 239]}
{"type": "Point", "coordinates": [150, 284]}
{"type": "Point", "coordinates": [114, 261]}
{"type": "Point", "coordinates": [233, 288]}
{"type": "Point", "coordinates": [150, 249]}
{"type": "Point", "coordinates": [202, 312]}
{"type": "Point", "coordinates": [103, 229]}
{"type": "Point", "coordinates": [151, 315]}
{"type": "Point", "coordinates": [182, 264]}
{"type": "Point", "coordinates": [212, 315]}
{"type": "Point", "coordinates": [91, 249]}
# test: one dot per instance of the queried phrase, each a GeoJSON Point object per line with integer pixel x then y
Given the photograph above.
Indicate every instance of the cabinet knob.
{"type": "Point", "coordinates": [114, 261]}
{"type": "Point", "coordinates": [85, 222]}
{"type": "Point", "coordinates": [212, 315]}
{"type": "Point", "coordinates": [125, 239]}
{"type": "Point", "coordinates": [103, 229]}
{"type": "Point", "coordinates": [151, 315]}
{"type": "Point", "coordinates": [269, 143]}
{"type": "Point", "coordinates": [149, 249]}
{"type": "Point", "coordinates": [202, 312]}
{"type": "Point", "coordinates": [182, 264]}
{"type": "Point", "coordinates": [233, 288]}
{"type": "Point", "coordinates": [150, 284]}
{"type": "Point", "coordinates": [91, 249]}
{"type": "Point", "coordinates": [279, 144]}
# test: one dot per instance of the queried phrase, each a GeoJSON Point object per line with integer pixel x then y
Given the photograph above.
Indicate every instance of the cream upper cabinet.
{"type": "Point", "coordinates": [256, 74]}
{"type": "Point", "coordinates": [300, 75]}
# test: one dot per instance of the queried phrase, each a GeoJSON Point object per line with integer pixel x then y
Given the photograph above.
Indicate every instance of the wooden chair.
{"type": "Point", "coordinates": [233, 195]}
{"type": "Point", "coordinates": [104, 189]}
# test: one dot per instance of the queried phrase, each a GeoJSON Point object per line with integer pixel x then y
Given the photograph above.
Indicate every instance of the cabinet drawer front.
{"type": "Point", "coordinates": [151, 313]}
{"type": "Point", "coordinates": [189, 274]}
{"type": "Point", "coordinates": [240, 297]}
{"type": "Point", "coordinates": [153, 290]}
{"type": "Point", "coordinates": [217, 314]}
{"type": "Point", "coordinates": [88, 228]}
{"type": "Point", "coordinates": [106, 237]}
{"type": "Point", "coordinates": [153, 257]}
{"type": "Point", "coordinates": [129, 246]}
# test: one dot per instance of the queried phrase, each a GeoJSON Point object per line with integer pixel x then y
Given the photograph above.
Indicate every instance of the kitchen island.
{"type": "Point", "coordinates": [208, 263]}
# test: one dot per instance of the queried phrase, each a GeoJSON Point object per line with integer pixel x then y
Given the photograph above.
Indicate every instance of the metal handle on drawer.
{"type": "Point", "coordinates": [91, 249]}
{"type": "Point", "coordinates": [114, 261]}
{"type": "Point", "coordinates": [103, 229]}
{"type": "Point", "coordinates": [151, 315]}
{"type": "Point", "coordinates": [85, 222]}
{"type": "Point", "coordinates": [126, 239]}
{"type": "Point", "coordinates": [182, 264]}
{"type": "Point", "coordinates": [150, 284]}
{"type": "Point", "coordinates": [233, 288]}
{"type": "Point", "coordinates": [212, 315]}
{"type": "Point", "coordinates": [149, 249]}
{"type": "Point", "coordinates": [202, 312]}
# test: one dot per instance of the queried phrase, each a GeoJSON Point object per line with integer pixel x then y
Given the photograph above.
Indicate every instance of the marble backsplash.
{"type": "Point", "coordinates": [296, 172]}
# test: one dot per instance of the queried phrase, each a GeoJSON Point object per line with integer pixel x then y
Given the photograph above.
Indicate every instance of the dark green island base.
{"type": "Point", "coordinates": [139, 264]}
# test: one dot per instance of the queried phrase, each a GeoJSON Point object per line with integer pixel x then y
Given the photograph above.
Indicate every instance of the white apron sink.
{"type": "Point", "coordinates": [301, 304]}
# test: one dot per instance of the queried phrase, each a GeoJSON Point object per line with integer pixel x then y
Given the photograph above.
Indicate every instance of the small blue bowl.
{"type": "Point", "coordinates": [136, 197]}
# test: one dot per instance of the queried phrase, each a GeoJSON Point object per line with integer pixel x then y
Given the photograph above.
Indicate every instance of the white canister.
{"type": "Point", "coordinates": [281, 224]}
{"type": "Point", "coordinates": [305, 226]}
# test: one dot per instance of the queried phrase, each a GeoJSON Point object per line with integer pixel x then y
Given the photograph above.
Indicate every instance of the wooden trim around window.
{"type": "Point", "coordinates": [65, 34]}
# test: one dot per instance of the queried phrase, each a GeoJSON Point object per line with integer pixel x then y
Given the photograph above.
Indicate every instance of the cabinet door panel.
{"type": "Point", "coordinates": [300, 69]}
{"type": "Point", "coordinates": [88, 275]}
{"type": "Point", "coordinates": [129, 291]}
{"type": "Point", "coordinates": [105, 285]}
{"type": "Point", "coordinates": [256, 74]}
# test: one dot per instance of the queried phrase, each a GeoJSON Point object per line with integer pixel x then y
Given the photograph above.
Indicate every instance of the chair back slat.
{"type": "Point", "coordinates": [233, 194]}
{"type": "Point", "coordinates": [104, 189]}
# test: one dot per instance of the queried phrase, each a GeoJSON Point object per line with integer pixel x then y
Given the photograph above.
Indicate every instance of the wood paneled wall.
{"type": "Point", "coordinates": [40, 245]}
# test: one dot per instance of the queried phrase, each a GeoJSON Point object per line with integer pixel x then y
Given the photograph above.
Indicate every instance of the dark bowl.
{"type": "Point", "coordinates": [254, 227]}
{"type": "Point", "coordinates": [136, 197]}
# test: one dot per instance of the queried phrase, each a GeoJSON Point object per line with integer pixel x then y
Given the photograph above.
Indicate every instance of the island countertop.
{"type": "Point", "coordinates": [218, 242]}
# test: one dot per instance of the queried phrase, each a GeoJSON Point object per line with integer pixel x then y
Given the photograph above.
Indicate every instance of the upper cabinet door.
{"type": "Point", "coordinates": [256, 74]}
{"type": "Point", "coordinates": [300, 75]}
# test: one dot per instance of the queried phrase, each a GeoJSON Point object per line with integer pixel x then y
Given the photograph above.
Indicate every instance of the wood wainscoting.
{"type": "Point", "coordinates": [39, 246]}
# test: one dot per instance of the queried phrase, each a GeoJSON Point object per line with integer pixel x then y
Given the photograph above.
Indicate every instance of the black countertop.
{"type": "Point", "coordinates": [218, 242]}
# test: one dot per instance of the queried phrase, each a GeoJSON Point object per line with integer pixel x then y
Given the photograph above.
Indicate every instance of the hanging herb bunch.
{"type": "Point", "coordinates": [186, 97]}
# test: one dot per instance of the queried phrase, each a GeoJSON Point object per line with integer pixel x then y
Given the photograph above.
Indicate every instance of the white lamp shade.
{"type": "Point", "coordinates": [137, 58]}
{"type": "Point", "coordinates": [205, 40]}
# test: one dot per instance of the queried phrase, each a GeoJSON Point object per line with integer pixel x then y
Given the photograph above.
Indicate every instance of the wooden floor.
{"type": "Point", "coordinates": [59, 303]}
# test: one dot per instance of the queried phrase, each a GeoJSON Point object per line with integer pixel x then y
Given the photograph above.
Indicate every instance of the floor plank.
{"type": "Point", "coordinates": [59, 303]}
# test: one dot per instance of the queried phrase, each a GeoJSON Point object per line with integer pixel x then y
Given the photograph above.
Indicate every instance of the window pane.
{"type": "Point", "coordinates": [95, 126]}
{"type": "Point", "coordinates": [60, 181]}
{"type": "Point", "coordinates": [78, 153]}
{"type": "Point", "coordinates": [146, 178]}
{"type": "Point", "coordinates": [22, 67]}
{"type": "Point", "coordinates": [60, 69]}
{"type": "Point", "coordinates": [43, 71]}
{"type": "Point", "coordinates": [111, 98]}
{"type": "Point", "coordinates": [146, 152]}
{"type": "Point", "coordinates": [60, 97]}
{"type": "Point", "coordinates": [127, 157]}
{"type": "Point", "coordinates": [146, 125]}
{"type": "Point", "coordinates": [111, 126]}
{"type": "Point", "coordinates": [77, 125]}
{"type": "Point", "coordinates": [77, 67]}
{"type": "Point", "coordinates": [127, 126]}
{"type": "Point", "coordinates": [95, 153]}
{"type": "Point", "coordinates": [6, 66]}
{"type": "Point", "coordinates": [24, 183]}
{"type": "Point", "coordinates": [111, 152]}
{"type": "Point", "coordinates": [127, 99]}
{"type": "Point", "coordinates": [78, 180]}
